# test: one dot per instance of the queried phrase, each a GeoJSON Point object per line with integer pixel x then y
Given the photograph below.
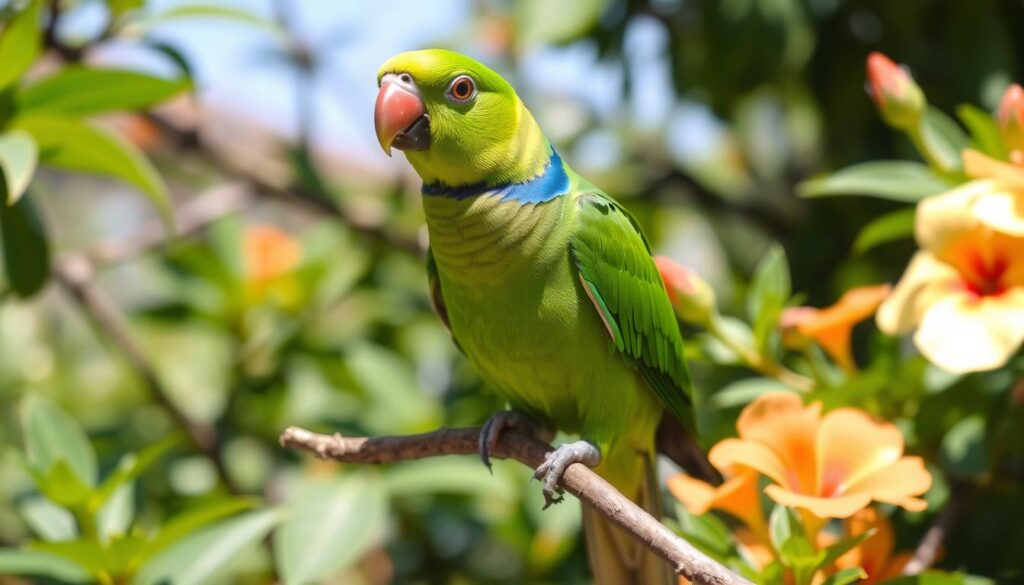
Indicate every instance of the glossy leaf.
{"type": "Point", "coordinates": [329, 526]}
{"type": "Point", "coordinates": [782, 524]}
{"type": "Point", "coordinates": [63, 485]}
{"type": "Point", "coordinates": [769, 292]}
{"type": "Point", "coordinates": [116, 514]}
{"type": "Point", "coordinates": [893, 226]}
{"type": "Point", "coordinates": [984, 130]}
{"type": "Point", "coordinates": [81, 91]}
{"type": "Point", "coordinates": [207, 555]}
{"type": "Point", "coordinates": [131, 466]}
{"type": "Point", "coordinates": [191, 520]}
{"type": "Point", "coordinates": [845, 545]}
{"type": "Point", "coordinates": [18, 157]}
{"type": "Point", "coordinates": [35, 563]}
{"type": "Point", "coordinates": [72, 144]}
{"type": "Point", "coordinates": [85, 553]}
{"type": "Point", "coordinates": [895, 180]}
{"type": "Point", "coordinates": [26, 249]}
{"type": "Point", "coordinates": [846, 576]}
{"type": "Point", "coordinates": [943, 140]}
{"type": "Point", "coordinates": [52, 436]}
{"type": "Point", "coordinates": [20, 44]}
{"type": "Point", "coordinates": [48, 520]}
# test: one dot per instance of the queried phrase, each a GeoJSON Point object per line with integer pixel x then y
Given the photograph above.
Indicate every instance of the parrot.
{"type": "Point", "coordinates": [546, 284]}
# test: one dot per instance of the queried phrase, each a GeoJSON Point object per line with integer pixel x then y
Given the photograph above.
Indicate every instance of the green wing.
{"type": "Point", "coordinates": [618, 273]}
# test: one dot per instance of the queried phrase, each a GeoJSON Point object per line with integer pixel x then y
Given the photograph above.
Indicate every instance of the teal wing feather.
{"type": "Point", "coordinates": [618, 274]}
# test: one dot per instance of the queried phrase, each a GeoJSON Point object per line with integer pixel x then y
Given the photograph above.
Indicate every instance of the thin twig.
{"type": "Point", "coordinates": [578, 480]}
{"type": "Point", "coordinates": [928, 550]}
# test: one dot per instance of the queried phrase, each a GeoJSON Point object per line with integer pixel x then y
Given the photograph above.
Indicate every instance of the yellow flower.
{"type": "Point", "coordinates": [831, 327]}
{"type": "Point", "coordinates": [964, 290]}
{"type": "Point", "coordinates": [831, 466]}
{"type": "Point", "coordinates": [875, 554]}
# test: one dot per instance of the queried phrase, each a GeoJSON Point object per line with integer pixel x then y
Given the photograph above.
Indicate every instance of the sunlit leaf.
{"type": "Point", "coordinates": [769, 292]}
{"type": "Point", "coordinates": [72, 144]}
{"type": "Point", "coordinates": [943, 139]}
{"type": "Point", "coordinates": [52, 436]}
{"type": "Point", "coordinates": [743, 392]}
{"type": "Point", "coordinates": [63, 485]}
{"type": "Point", "coordinates": [26, 249]}
{"type": "Point", "coordinates": [846, 576]}
{"type": "Point", "coordinates": [20, 43]}
{"type": "Point", "coordinates": [48, 520]}
{"type": "Point", "coordinates": [131, 466]}
{"type": "Point", "coordinates": [18, 156]}
{"type": "Point", "coordinates": [41, 564]}
{"type": "Point", "coordinates": [783, 524]}
{"type": "Point", "coordinates": [329, 526]}
{"type": "Point", "coordinates": [88, 554]}
{"type": "Point", "coordinates": [115, 516]}
{"type": "Point", "coordinates": [80, 91]}
{"type": "Point", "coordinates": [890, 227]}
{"type": "Point", "coordinates": [984, 130]}
{"type": "Point", "coordinates": [206, 556]}
{"type": "Point", "coordinates": [549, 22]}
{"type": "Point", "coordinates": [895, 180]}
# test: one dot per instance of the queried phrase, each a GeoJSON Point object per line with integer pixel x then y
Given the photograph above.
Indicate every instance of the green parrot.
{"type": "Point", "coordinates": [546, 284]}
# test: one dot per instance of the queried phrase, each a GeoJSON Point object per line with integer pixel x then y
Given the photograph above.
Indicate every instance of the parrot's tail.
{"type": "Point", "coordinates": [615, 557]}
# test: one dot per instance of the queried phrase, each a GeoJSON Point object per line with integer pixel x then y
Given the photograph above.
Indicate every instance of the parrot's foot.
{"type": "Point", "coordinates": [557, 462]}
{"type": "Point", "coordinates": [499, 422]}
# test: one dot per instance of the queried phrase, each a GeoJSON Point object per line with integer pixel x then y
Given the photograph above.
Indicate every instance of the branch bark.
{"type": "Point", "coordinates": [578, 480]}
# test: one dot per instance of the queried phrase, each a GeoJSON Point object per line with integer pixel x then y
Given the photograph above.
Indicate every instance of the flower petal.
{"type": "Point", "coordinates": [738, 497]}
{"type": "Point", "coordinates": [961, 333]}
{"type": "Point", "coordinates": [837, 507]}
{"type": "Point", "coordinates": [944, 218]}
{"type": "Point", "coordinates": [852, 446]}
{"type": "Point", "coordinates": [696, 495]}
{"type": "Point", "coordinates": [925, 280]}
{"type": "Point", "coordinates": [780, 421]}
{"type": "Point", "coordinates": [732, 453]}
{"type": "Point", "coordinates": [897, 484]}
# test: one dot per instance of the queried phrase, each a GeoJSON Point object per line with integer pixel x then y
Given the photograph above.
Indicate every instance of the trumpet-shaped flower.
{"type": "Point", "coordinates": [964, 290]}
{"type": "Point", "coordinates": [830, 466]}
{"type": "Point", "coordinates": [831, 327]}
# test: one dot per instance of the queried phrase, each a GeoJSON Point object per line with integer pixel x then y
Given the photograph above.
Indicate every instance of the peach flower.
{"type": "Point", "coordinates": [875, 554]}
{"type": "Point", "coordinates": [831, 466]}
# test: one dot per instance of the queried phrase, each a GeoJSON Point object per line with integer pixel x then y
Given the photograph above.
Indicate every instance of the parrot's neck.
{"type": "Point", "coordinates": [552, 181]}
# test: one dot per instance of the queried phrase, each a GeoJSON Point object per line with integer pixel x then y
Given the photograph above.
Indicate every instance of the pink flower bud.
{"type": "Point", "coordinates": [899, 99]}
{"type": "Point", "coordinates": [692, 297]}
{"type": "Point", "coordinates": [1011, 120]}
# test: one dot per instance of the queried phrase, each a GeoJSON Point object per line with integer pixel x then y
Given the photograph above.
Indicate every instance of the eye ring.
{"type": "Point", "coordinates": [462, 89]}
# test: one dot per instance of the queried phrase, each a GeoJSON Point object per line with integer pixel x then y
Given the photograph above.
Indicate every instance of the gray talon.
{"type": "Point", "coordinates": [557, 462]}
{"type": "Point", "coordinates": [499, 421]}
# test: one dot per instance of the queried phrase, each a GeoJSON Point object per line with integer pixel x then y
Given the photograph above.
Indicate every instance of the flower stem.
{"type": "Point", "coordinates": [759, 362]}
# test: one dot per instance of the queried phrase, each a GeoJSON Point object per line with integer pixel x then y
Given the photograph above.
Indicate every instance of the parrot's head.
{"type": "Point", "coordinates": [458, 121]}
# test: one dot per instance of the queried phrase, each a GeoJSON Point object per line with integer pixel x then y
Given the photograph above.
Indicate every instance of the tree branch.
{"type": "Point", "coordinates": [578, 480]}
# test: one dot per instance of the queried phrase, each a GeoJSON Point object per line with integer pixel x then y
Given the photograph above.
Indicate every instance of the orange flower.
{"type": "Point", "coordinates": [1011, 122]}
{"type": "Point", "coordinates": [831, 466]}
{"type": "Point", "coordinates": [739, 497]}
{"type": "Point", "coordinates": [831, 327]}
{"type": "Point", "coordinates": [875, 554]}
{"type": "Point", "coordinates": [899, 99]}
{"type": "Point", "coordinates": [269, 253]}
{"type": "Point", "coordinates": [963, 291]}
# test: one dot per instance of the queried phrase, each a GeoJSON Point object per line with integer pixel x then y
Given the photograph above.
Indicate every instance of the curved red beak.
{"type": "Point", "coordinates": [400, 115]}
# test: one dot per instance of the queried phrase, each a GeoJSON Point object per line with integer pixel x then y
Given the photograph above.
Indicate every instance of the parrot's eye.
{"type": "Point", "coordinates": [462, 89]}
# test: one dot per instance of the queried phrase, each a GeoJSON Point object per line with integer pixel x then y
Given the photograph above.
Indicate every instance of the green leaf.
{"type": "Point", "coordinates": [48, 520]}
{"type": "Point", "coordinates": [207, 555]}
{"type": "Point", "coordinates": [87, 554]}
{"type": "Point", "coordinates": [26, 249]}
{"type": "Point", "coordinates": [20, 44]}
{"type": "Point", "coordinates": [131, 466]}
{"type": "Point", "coordinates": [115, 516]}
{"type": "Point", "coordinates": [329, 527]}
{"type": "Point", "coordinates": [41, 564]}
{"type": "Point", "coordinates": [782, 524]}
{"type": "Point", "coordinates": [801, 557]}
{"type": "Point", "coordinates": [72, 144]}
{"type": "Point", "coordinates": [707, 532]}
{"type": "Point", "coordinates": [211, 12]}
{"type": "Point", "coordinates": [890, 227]}
{"type": "Point", "coordinates": [963, 448]}
{"type": "Point", "coordinates": [52, 436]}
{"type": "Point", "coordinates": [743, 392]}
{"type": "Point", "coordinates": [769, 292]}
{"type": "Point", "coordinates": [18, 156]}
{"type": "Point", "coordinates": [942, 140]}
{"type": "Point", "coordinates": [894, 180]}
{"type": "Point", "coordinates": [547, 22]}
{"type": "Point", "coordinates": [844, 545]}
{"type": "Point", "coordinates": [62, 485]}
{"type": "Point", "coordinates": [940, 578]}
{"type": "Point", "coordinates": [846, 576]}
{"type": "Point", "coordinates": [191, 520]}
{"type": "Point", "coordinates": [984, 130]}
{"type": "Point", "coordinates": [119, 7]}
{"type": "Point", "coordinates": [79, 91]}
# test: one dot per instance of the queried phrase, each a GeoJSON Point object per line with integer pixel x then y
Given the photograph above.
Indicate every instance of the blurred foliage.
{"type": "Point", "coordinates": [301, 310]}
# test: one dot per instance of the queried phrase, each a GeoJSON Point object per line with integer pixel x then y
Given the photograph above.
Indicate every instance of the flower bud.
{"type": "Point", "coordinates": [692, 297]}
{"type": "Point", "coordinates": [1011, 121]}
{"type": "Point", "coordinates": [900, 101]}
